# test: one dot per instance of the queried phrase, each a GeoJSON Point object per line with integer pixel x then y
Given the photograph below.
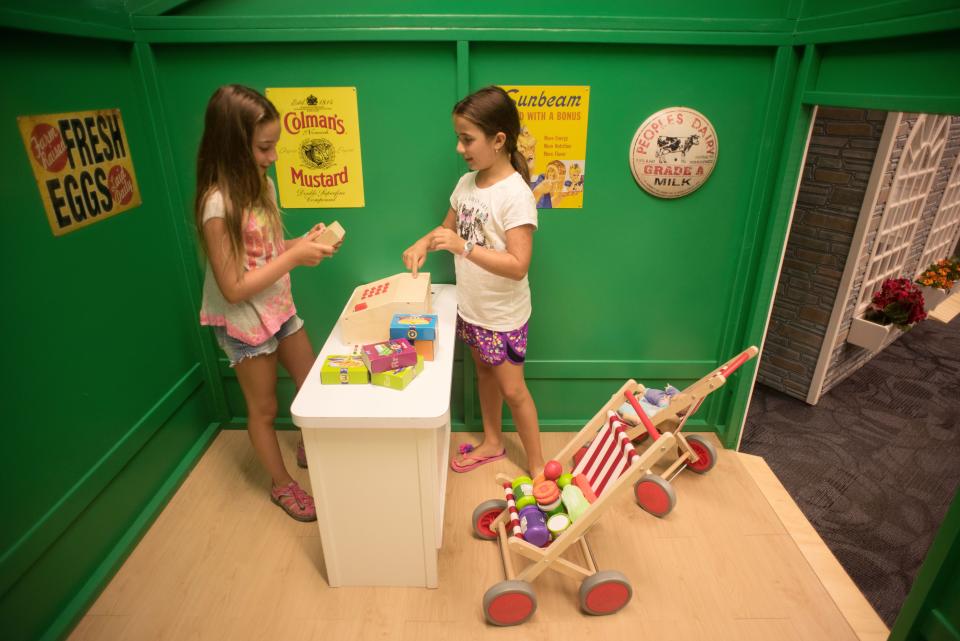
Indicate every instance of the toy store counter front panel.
{"type": "Point", "coordinates": [377, 454]}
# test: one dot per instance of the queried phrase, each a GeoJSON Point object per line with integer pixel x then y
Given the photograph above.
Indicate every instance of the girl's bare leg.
{"type": "Point", "coordinates": [513, 389]}
{"type": "Point", "coordinates": [491, 410]}
{"type": "Point", "coordinates": [258, 380]}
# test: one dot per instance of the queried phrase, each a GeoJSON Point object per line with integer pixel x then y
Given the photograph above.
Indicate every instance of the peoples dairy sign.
{"type": "Point", "coordinates": [673, 152]}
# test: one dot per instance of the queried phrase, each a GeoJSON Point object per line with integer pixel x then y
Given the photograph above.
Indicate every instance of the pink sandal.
{"type": "Point", "coordinates": [470, 462]}
{"type": "Point", "coordinates": [294, 501]}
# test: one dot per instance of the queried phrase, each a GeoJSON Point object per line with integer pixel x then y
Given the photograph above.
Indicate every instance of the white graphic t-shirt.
{"type": "Point", "coordinates": [484, 215]}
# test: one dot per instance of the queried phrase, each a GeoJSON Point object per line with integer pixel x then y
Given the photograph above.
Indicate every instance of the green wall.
{"type": "Point", "coordinates": [114, 390]}
{"type": "Point", "coordinates": [104, 394]}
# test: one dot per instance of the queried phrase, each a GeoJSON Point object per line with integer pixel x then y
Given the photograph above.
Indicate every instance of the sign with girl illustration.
{"type": "Point", "coordinates": [553, 139]}
{"type": "Point", "coordinates": [318, 155]}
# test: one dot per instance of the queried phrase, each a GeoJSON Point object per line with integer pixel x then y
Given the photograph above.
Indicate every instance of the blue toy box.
{"type": "Point", "coordinates": [414, 327]}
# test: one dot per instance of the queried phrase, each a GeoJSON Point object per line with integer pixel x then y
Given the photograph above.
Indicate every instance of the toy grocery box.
{"type": "Point", "coordinates": [343, 369]}
{"type": "Point", "coordinates": [394, 354]}
{"type": "Point", "coordinates": [414, 327]}
{"type": "Point", "coordinates": [398, 378]}
{"type": "Point", "coordinates": [420, 329]}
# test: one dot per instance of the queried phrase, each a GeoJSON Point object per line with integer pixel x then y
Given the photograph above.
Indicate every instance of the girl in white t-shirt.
{"type": "Point", "coordinates": [489, 230]}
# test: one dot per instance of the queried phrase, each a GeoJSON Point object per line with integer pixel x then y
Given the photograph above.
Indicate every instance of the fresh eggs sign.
{"type": "Point", "coordinates": [673, 152]}
{"type": "Point", "coordinates": [82, 164]}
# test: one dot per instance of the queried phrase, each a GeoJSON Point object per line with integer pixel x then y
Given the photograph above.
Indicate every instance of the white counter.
{"type": "Point", "coordinates": [378, 464]}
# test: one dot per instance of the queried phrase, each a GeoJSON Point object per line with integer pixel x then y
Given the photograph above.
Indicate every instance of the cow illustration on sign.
{"type": "Point", "coordinates": [667, 145]}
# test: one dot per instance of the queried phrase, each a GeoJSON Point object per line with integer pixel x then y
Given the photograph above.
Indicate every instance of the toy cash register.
{"type": "Point", "coordinates": [367, 316]}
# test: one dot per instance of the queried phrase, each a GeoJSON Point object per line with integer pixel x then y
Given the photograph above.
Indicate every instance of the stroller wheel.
{"type": "Point", "coordinates": [605, 592]}
{"type": "Point", "coordinates": [509, 603]}
{"type": "Point", "coordinates": [706, 453]}
{"type": "Point", "coordinates": [484, 515]}
{"type": "Point", "coordinates": [655, 495]}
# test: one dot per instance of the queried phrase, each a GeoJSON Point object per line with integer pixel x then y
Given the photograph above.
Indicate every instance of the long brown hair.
{"type": "Point", "coordinates": [225, 162]}
{"type": "Point", "coordinates": [494, 111]}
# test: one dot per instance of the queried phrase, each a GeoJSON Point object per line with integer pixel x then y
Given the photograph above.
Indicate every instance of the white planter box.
{"type": "Point", "coordinates": [870, 335]}
{"type": "Point", "coordinates": [933, 297]}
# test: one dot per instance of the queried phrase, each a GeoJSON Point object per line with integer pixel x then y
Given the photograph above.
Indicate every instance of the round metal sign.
{"type": "Point", "coordinates": [673, 152]}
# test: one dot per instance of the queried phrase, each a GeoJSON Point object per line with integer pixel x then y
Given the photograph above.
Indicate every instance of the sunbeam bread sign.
{"type": "Point", "coordinates": [82, 164]}
{"type": "Point", "coordinates": [673, 152]}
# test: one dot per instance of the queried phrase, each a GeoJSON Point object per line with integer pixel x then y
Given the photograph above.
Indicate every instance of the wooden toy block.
{"type": "Point", "coordinates": [366, 318]}
{"type": "Point", "coordinates": [332, 235]}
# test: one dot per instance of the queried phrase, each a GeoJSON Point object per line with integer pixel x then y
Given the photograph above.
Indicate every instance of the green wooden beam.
{"type": "Point", "coordinates": [886, 20]}
{"type": "Point", "coordinates": [927, 104]}
{"type": "Point", "coordinates": [741, 32]}
{"type": "Point", "coordinates": [66, 26]}
{"type": "Point", "coordinates": [153, 7]}
{"type": "Point", "coordinates": [157, 125]}
{"type": "Point", "coordinates": [774, 238]}
{"type": "Point", "coordinates": [736, 338]}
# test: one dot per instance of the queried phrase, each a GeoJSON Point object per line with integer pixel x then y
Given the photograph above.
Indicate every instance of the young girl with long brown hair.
{"type": "Point", "coordinates": [246, 290]}
{"type": "Point", "coordinates": [489, 230]}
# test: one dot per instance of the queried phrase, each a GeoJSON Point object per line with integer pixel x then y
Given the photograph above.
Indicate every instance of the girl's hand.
{"type": "Point", "coordinates": [444, 238]}
{"type": "Point", "coordinates": [320, 228]}
{"type": "Point", "coordinates": [414, 256]}
{"type": "Point", "coordinates": [309, 252]}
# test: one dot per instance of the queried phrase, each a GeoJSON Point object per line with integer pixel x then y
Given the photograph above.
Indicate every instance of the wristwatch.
{"type": "Point", "coordinates": [467, 248]}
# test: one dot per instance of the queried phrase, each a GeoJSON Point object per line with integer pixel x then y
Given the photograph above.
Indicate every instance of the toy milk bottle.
{"type": "Point", "coordinates": [534, 526]}
{"type": "Point", "coordinates": [574, 501]}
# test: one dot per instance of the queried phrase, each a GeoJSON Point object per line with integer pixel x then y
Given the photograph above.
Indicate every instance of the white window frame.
{"type": "Point", "coordinates": [911, 185]}
{"type": "Point", "coordinates": [945, 231]}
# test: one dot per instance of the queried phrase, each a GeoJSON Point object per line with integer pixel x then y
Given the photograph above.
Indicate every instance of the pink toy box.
{"type": "Point", "coordinates": [393, 354]}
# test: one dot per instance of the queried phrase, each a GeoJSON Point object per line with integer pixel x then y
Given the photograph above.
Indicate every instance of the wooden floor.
{"type": "Point", "coordinates": [729, 563]}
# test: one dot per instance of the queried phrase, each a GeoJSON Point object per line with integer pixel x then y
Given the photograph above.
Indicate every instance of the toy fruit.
{"type": "Point", "coordinates": [552, 470]}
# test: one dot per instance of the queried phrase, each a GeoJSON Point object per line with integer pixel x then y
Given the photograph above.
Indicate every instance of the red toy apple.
{"type": "Point", "coordinates": [552, 470]}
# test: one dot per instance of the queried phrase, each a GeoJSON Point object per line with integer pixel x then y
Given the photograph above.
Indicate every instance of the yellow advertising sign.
{"type": "Point", "coordinates": [318, 155]}
{"type": "Point", "coordinates": [82, 164]}
{"type": "Point", "coordinates": [553, 138]}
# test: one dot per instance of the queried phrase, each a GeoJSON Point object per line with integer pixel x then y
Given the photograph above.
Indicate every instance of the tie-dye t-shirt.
{"type": "Point", "coordinates": [259, 317]}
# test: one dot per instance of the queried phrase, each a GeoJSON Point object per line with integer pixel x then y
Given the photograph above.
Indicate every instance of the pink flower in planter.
{"type": "Point", "coordinates": [898, 301]}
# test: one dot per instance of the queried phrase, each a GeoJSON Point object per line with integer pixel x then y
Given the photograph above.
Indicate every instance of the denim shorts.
{"type": "Point", "coordinates": [236, 350]}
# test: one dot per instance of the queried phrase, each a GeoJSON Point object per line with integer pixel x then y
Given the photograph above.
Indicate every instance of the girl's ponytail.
{"type": "Point", "coordinates": [520, 164]}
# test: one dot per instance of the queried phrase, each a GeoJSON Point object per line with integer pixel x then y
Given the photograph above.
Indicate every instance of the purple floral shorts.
{"type": "Point", "coordinates": [494, 347]}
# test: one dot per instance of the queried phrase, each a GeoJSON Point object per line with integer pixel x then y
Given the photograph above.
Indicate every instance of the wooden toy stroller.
{"type": "Point", "coordinates": [653, 492]}
{"type": "Point", "coordinates": [610, 465]}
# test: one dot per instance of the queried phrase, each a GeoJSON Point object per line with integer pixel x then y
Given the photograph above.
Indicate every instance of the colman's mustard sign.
{"type": "Point", "coordinates": [318, 155]}
{"type": "Point", "coordinates": [82, 164]}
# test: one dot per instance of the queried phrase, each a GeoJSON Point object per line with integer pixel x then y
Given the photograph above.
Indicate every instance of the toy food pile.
{"type": "Point", "coordinates": [549, 503]}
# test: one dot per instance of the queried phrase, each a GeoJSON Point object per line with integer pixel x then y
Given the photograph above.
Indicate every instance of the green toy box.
{"type": "Point", "coordinates": [398, 378]}
{"type": "Point", "coordinates": [344, 369]}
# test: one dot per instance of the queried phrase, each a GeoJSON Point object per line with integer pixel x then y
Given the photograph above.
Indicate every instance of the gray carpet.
{"type": "Point", "coordinates": [875, 465]}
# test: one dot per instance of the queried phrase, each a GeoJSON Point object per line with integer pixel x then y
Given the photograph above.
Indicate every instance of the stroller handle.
{"type": "Point", "coordinates": [739, 360]}
{"type": "Point", "coordinates": [647, 423]}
